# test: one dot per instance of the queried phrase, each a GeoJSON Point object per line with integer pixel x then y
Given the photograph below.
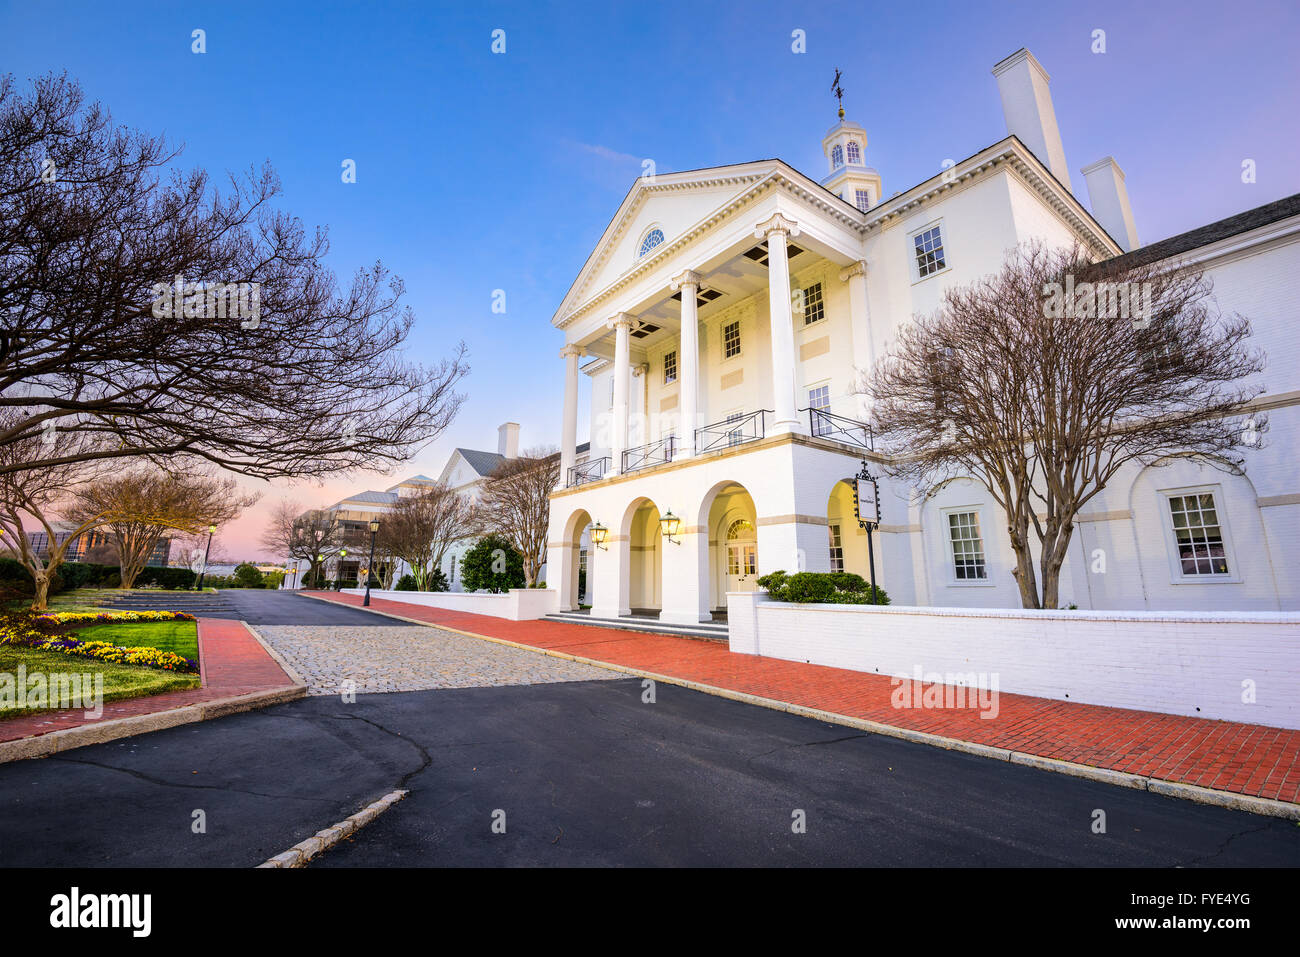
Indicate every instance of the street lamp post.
{"type": "Point", "coordinates": [374, 528]}
{"type": "Point", "coordinates": [204, 570]}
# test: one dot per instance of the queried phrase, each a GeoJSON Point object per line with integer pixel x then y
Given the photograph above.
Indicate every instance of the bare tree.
{"type": "Point", "coordinates": [159, 315]}
{"type": "Point", "coordinates": [1045, 379]}
{"type": "Point", "coordinates": [515, 502]}
{"type": "Point", "coordinates": [420, 528]}
{"type": "Point", "coordinates": [311, 536]}
{"type": "Point", "coordinates": [152, 502]}
{"type": "Point", "coordinates": [34, 495]}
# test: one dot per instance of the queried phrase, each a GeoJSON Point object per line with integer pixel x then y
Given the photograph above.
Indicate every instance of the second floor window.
{"type": "Point", "coordinates": [670, 367]}
{"type": "Point", "coordinates": [837, 156]}
{"type": "Point", "coordinates": [863, 200]}
{"type": "Point", "coordinates": [855, 152]}
{"type": "Point", "coordinates": [814, 307]}
{"type": "Point", "coordinates": [731, 339]}
{"type": "Point", "coordinates": [929, 251]}
{"type": "Point", "coordinates": [967, 546]}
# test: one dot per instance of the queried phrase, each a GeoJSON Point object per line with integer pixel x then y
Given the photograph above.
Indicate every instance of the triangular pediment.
{"type": "Point", "coordinates": [672, 203]}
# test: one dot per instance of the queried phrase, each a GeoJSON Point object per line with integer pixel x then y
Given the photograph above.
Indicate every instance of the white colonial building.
{"type": "Point", "coordinates": [723, 320]}
{"type": "Point", "coordinates": [464, 473]}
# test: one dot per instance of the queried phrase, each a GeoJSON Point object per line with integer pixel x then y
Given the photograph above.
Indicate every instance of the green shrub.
{"type": "Point", "coordinates": [438, 581]}
{"type": "Point", "coordinates": [839, 588]}
{"type": "Point", "coordinates": [492, 564]}
{"type": "Point", "coordinates": [405, 583]}
{"type": "Point", "coordinates": [247, 576]}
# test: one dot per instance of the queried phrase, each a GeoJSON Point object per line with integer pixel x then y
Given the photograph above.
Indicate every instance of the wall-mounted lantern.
{"type": "Point", "coordinates": [599, 533]}
{"type": "Point", "coordinates": [669, 525]}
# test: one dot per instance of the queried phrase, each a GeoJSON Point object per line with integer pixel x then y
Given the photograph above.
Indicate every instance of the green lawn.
{"type": "Point", "coordinates": [120, 681]}
{"type": "Point", "coordinates": [181, 637]}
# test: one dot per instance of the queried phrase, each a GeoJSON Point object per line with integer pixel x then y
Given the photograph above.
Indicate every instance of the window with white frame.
{"type": "Point", "coordinates": [670, 367]}
{"type": "Point", "coordinates": [855, 152]}
{"type": "Point", "coordinates": [651, 239]}
{"type": "Point", "coordinates": [928, 247]}
{"type": "Point", "coordinates": [731, 339]}
{"type": "Point", "coordinates": [967, 546]}
{"type": "Point", "coordinates": [837, 156]}
{"type": "Point", "coordinates": [837, 549]}
{"type": "Point", "coordinates": [735, 436]}
{"type": "Point", "coordinates": [814, 305]}
{"type": "Point", "coordinates": [819, 398]}
{"type": "Point", "coordinates": [1198, 534]}
{"type": "Point", "coordinates": [863, 200]}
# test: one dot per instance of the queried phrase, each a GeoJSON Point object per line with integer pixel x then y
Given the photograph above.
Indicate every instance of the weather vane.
{"type": "Point", "coordinates": [838, 91]}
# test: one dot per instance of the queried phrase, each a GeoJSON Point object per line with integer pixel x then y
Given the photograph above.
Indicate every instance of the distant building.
{"type": "Point", "coordinates": [87, 542]}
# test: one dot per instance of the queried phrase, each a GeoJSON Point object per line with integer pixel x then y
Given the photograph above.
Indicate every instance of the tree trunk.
{"type": "Point", "coordinates": [1024, 574]}
{"type": "Point", "coordinates": [41, 598]}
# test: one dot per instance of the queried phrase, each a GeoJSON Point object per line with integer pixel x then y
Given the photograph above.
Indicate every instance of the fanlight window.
{"type": "Point", "coordinates": [837, 156]}
{"type": "Point", "coordinates": [740, 530]}
{"type": "Point", "coordinates": [855, 152]}
{"type": "Point", "coordinates": [651, 240]}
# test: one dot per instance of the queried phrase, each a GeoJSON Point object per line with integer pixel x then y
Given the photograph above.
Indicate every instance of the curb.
{"type": "Point", "coordinates": [1269, 807]}
{"type": "Point", "coordinates": [43, 745]}
{"type": "Point", "coordinates": [54, 742]}
{"type": "Point", "coordinates": [304, 851]}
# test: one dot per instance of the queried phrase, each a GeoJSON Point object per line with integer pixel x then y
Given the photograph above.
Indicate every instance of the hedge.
{"type": "Point", "coordinates": [838, 588]}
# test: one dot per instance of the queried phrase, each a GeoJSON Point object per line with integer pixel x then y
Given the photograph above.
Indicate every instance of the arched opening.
{"type": "Point", "coordinates": [846, 540]}
{"type": "Point", "coordinates": [577, 541]}
{"type": "Point", "coordinates": [645, 559]}
{"type": "Point", "coordinates": [729, 514]}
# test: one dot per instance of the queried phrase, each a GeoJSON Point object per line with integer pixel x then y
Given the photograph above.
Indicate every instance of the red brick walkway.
{"type": "Point", "coordinates": [1245, 758]}
{"type": "Point", "coordinates": [231, 660]}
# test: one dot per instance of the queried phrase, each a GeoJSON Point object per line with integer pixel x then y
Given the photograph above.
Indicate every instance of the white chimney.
{"type": "Point", "coordinates": [1109, 198]}
{"type": "Point", "coordinates": [508, 440]}
{"type": "Point", "coordinates": [1027, 106]}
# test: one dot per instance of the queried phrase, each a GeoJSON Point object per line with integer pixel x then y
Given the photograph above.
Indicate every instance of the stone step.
{"type": "Point", "coordinates": [713, 631]}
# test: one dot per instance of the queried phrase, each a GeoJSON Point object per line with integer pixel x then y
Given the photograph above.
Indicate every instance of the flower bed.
{"type": "Point", "coordinates": [60, 618]}
{"type": "Point", "coordinates": [106, 651]}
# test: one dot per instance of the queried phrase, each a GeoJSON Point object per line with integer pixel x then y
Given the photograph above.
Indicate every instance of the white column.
{"type": "Point", "coordinates": [776, 230]}
{"type": "Point", "coordinates": [864, 348]}
{"type": "Point", "coordinates": [569, 428]}
{"type": "Point", "coordinates": [688, 363]}
{"type": "Point", "coordinates": [622, 373]}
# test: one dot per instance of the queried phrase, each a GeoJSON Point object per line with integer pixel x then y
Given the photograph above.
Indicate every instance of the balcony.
{"type": "Point", "coordinates": [592, 470]}
{"type": "Point", "coordinates": [653, 453]}
{"type": "Point", "coordinates": [828, 425]}
{"type": "Point", "coordinates": [735, 430]}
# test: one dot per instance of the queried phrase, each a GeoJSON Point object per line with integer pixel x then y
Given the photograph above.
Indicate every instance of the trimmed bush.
{"type": "Point", "coordinates": [839, 588]}
{"type": "Point", "coordinates": [247, 576]}
{"type": "Point", "coordinates": [405, 583]}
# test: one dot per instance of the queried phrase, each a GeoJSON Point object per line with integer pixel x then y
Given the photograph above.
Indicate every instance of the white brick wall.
{"type": "Point", "coordinates": [1177, 663]}
{"type": "Point", "coordinates": [519, 604]}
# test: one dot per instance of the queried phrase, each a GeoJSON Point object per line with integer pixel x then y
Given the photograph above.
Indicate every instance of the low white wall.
{"type": "Point", "coordinates": [1203, 665]}
{"type": "Point", "coordinates": [520, 604]}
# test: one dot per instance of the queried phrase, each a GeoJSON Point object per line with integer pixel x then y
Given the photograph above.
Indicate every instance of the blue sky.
{"type": "Point", "coordinates": [478, 171]}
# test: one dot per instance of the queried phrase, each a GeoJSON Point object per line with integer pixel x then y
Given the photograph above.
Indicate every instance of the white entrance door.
{"type": "Point", "coordinates": [742, 556]}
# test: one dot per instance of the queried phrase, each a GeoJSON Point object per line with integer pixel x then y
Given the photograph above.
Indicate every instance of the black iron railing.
{"type": "Point", "coordinates": [591, 470]}
{"type": "Point", "coordinates": [734, 431]}
{"type": "Point", "coordinates": [653, 453]}
{"type": "Point", "coordinates": [828, 425]}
